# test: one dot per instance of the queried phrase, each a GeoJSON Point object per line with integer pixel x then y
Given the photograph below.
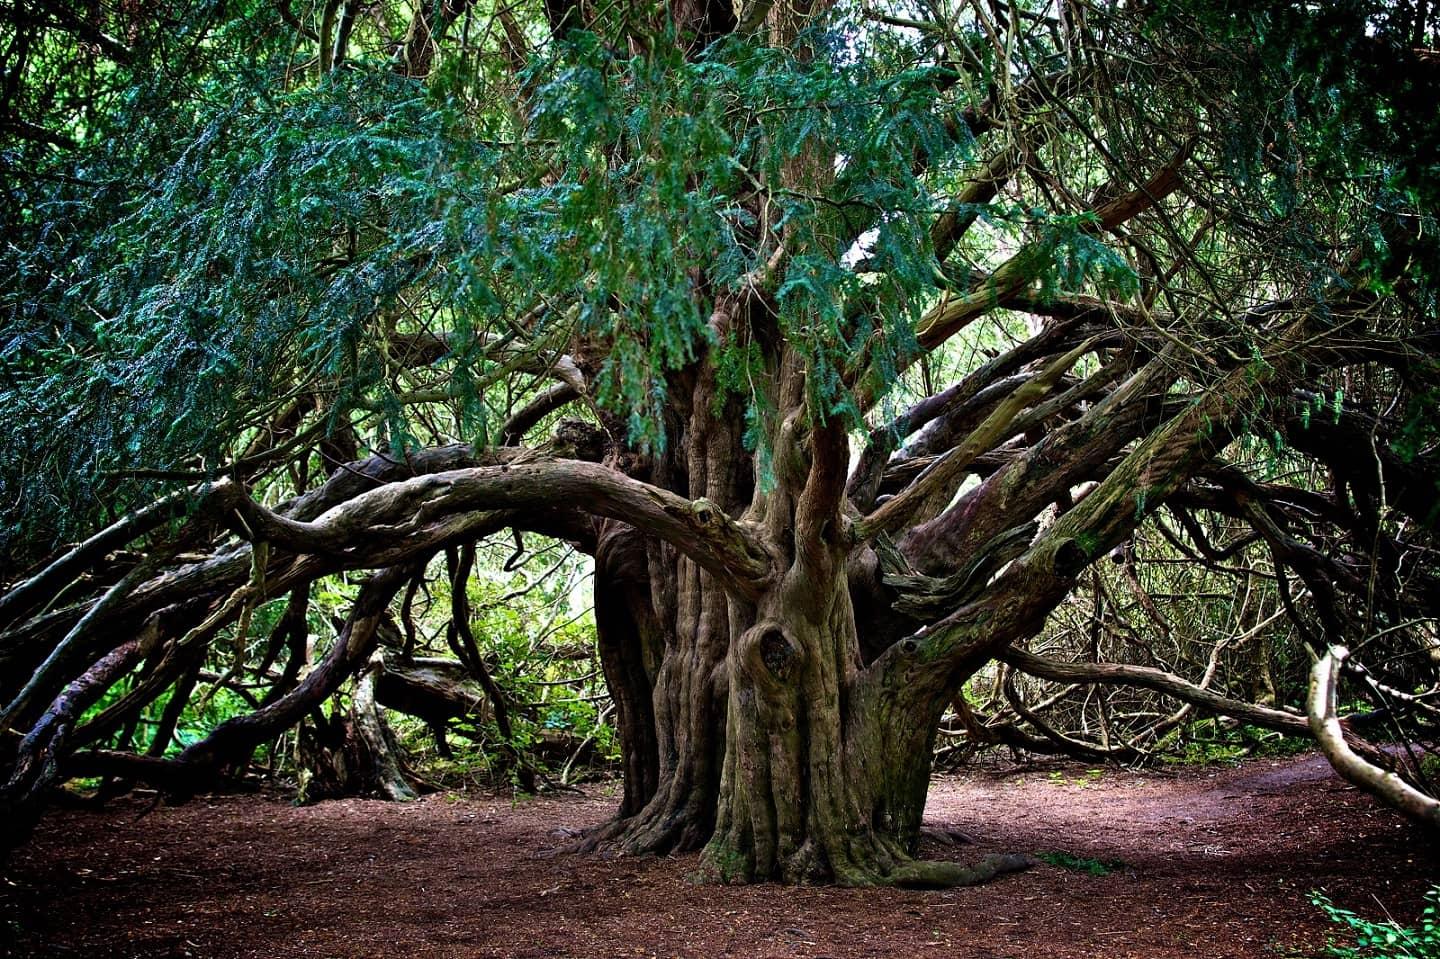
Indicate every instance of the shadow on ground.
{"type": "Point", "coordinates": [1201, 863]}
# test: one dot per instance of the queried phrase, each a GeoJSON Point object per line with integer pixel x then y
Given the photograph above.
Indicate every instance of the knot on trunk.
{"type": "Point", "coordinates": [579, 440]}
{"type": "Point", "coordinates": [1070, 558]}
{"type": "Point", "coordinates": [770, 652]}
{"type": "Point", "coordinates": [706, 513]}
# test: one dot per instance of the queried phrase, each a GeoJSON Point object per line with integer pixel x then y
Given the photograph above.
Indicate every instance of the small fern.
{"type": "Point", "coordinates": [1387, 939]}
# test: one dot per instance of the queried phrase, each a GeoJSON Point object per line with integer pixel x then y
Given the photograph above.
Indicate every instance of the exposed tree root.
{"type": "Point", "coordinates": [934, 874]}
{"type": "Point", "coordinates": [663, 826]}
{"type": "Point", "coordinates": [872, 860]}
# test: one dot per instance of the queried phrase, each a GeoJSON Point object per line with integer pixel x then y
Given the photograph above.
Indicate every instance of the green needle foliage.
{"type": "Point", "coordinates": [1146, 281]}
{"type": "Point", "coordinates": [237, 236]}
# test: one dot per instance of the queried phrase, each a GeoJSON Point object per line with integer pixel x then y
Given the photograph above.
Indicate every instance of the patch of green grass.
{"type": "Point", "coordinates": [1089, 778]}
{"type": "Point", "coordinates": [1207, 742]}
{"type": "Point", "coordinates": [1094, 867]}
{"type": "Point", "coordinates": [1430, 766]}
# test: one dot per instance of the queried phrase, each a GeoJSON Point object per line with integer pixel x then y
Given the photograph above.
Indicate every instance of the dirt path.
{"type": "Point", "coordinates": [1208, 864]}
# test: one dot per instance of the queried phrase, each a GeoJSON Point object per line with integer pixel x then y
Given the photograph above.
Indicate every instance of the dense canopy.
{"type": "Point", "coordinates": [880, 355]}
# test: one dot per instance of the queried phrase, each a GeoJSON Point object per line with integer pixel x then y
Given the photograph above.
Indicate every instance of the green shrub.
{"type": "Point", "coordinates": [1094, 867]}
{"type": "Point", "coordinates": [1387, 939]}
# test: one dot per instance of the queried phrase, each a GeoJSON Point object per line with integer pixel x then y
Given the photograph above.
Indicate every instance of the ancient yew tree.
{"type": "Point", "coordinates": [846, 338]}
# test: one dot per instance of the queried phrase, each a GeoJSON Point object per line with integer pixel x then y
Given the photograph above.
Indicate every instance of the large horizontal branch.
{"type": "Point", "coordinates": [941, 655]}
{"type": "Point", "coordinates": [950, 415]}
{"type": "Point", "coordinates": [209, 580]}
{"type": "Point", "coordinates": [1164, 182]}
{"type": "Point", "coordinates": [941, 420]}
{"type": "Point", "coordinates": [698, 528]}
{"type": "Point", "coordinates": [1044, 473]}
{"type": "Point", "coordinates": [1062, 742]}
{"type": "Point", "coordinates": [226, 566]}
{"type": "Point", "coordinates": [222, 584]}
{"type": "Point", "coordinates": [352, 479]}
{"type": "Point", "coordinates": [1160, 681]}
{"type": "Point", "coordinates": [171, 775]}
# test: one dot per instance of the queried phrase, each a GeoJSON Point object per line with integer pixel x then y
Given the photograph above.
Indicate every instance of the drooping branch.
{"type": "Point", "coordinates": [43, 586]}
{"type": "Point", "coordinates": [213, 579]}
{"type": "Point", "coordinates": [233, 739]}
{"type": "Point", "coordinates": [1381, 783]}
{"type": "Point", "coordinates": [697, 528]}
{"type": "Point", "coordinates": [1148, 677]}
{"type": "Point", "coordinates": [37, 762]}
{"type": "Point", "coordinates": [143, 590]}
{"type": "Point", "coordinates": [44, 675]}
{"type": "Point", "coordinates": [525, 419]}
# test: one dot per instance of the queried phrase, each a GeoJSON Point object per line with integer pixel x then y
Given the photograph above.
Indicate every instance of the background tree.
{"type": "Point", "coordinates": [868, 330]}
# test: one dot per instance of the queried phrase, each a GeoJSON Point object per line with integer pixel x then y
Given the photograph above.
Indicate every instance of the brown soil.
{"type": "Point", "coordinates": [1212, 864]}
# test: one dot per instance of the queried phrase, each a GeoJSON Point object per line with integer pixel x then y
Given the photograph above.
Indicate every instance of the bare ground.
{"type": "Point", "coordinates": [1207, 863]}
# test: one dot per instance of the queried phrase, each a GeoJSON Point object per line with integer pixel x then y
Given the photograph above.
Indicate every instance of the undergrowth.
{"type": "Point", "coordinates": [1386, 939]}
{"type": "Point", "coordinates": [1094, 867]}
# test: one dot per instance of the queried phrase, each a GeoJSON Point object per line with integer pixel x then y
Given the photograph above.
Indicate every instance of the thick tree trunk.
{"type": "Point", "coordinates": [827, 760]}
{"type": "Point", "coordinates": [630, 644]}
{"type": "Point", "coordinates": [827, 765]}
{"type": "Point", "coordinates": [665, 625]}
{"type": "Point", "coordinates": [684, 722]}
{"type": "Point", "coordinates": [791, 806]}
{"type": "Point", "coordinates": [379, 761]}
